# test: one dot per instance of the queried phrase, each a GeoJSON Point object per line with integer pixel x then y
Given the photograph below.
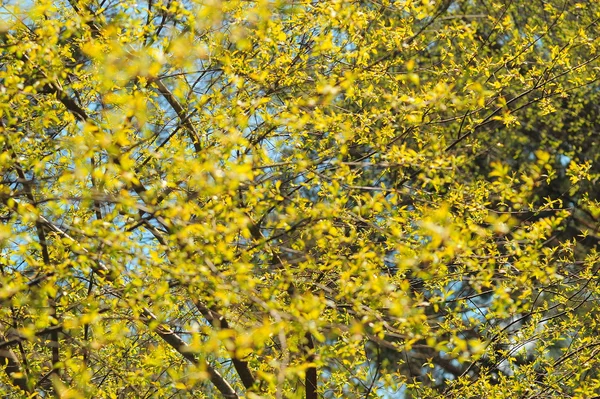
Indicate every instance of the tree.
{"type": "Point", "coordinates": [299, 199]}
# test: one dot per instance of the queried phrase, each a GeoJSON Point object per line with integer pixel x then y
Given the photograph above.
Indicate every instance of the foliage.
{"type": "Point", "coordinates": [299, 199]}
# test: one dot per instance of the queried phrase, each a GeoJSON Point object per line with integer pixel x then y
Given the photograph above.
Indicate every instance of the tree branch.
{"type": "Point", "coordinates": [310, 380]}
{"type": "Point", "coordinates": [12, 367]}
{"type": "Point", "coordinates": [175, 342]}
{"type": "Point", "coordinates": [219, 321]}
